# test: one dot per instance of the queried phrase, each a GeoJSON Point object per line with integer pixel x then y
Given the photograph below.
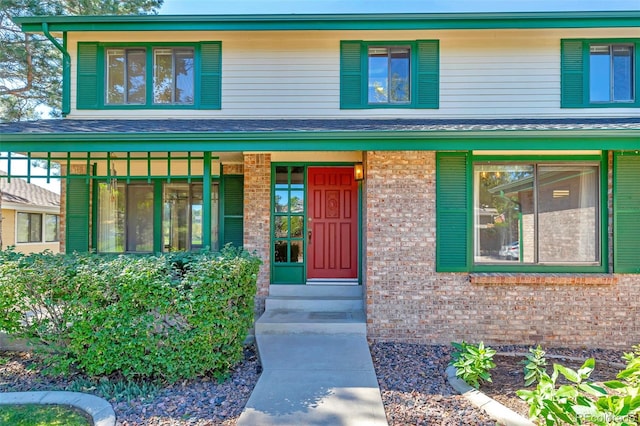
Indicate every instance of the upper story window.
{"type": "Point", "coordinates": [611, 73]}
{"type": "Point", "coordinates": [389, 74]}
{"type": "Point", "coordinates": [126, 76]}
{"type": "Point", "coordinates": [600, 73]}
{"type": "Point", "coordinates": [144, 75]}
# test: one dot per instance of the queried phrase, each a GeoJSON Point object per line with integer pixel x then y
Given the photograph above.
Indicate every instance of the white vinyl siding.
{"type": "Point", "coordinates": [483, 74]}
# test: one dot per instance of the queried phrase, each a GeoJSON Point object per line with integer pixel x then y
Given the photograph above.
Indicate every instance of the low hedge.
{"type": "Point", "coordinates": [170, 317]}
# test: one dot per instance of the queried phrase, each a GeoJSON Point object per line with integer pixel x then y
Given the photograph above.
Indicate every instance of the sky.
{"type": "Point", "coordinates": [213, 7]}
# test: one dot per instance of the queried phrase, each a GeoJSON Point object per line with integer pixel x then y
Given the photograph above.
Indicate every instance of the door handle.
{"type": "Point", "coordinates": [310, 233]}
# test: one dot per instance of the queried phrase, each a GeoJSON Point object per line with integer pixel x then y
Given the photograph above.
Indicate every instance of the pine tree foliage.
{"type": "Point", "coordinates": [31, 66]}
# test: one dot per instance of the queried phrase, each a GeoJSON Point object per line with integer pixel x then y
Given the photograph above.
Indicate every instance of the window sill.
{"type": "Point", "coordinates": [542, 279]}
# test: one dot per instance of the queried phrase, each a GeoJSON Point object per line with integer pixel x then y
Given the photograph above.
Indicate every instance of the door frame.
{"type": "Point", "coordinates": [295, 273]}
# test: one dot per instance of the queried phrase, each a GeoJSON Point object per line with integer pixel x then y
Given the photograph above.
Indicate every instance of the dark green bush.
{"type": "Point", "coordinates": [160, 317]}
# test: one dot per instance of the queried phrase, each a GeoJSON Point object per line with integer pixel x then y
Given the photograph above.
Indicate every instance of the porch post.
{"type": "Point", "coordinates": [206, 202]}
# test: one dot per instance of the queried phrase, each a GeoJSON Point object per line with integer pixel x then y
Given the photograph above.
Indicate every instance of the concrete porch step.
{"type": "Point", "coordinates": [281, 290]}
{"type": "Point", "coordinates": [314, 304]}
{"type": "Point", "coordinates": [285, 321]}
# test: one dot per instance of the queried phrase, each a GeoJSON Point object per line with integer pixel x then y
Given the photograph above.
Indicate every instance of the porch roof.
{"type": "Point", "coordinates": [320, 134]}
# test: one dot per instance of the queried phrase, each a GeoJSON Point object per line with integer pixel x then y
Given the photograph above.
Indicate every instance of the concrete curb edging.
{"type": "Point", "coordinates": [99, 409]}
{"type": "Point", "coordinates": [494, 409]}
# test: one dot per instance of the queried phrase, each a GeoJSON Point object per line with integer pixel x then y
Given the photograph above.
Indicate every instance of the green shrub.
{"type": "Point", "coordinates": [472, 362]}
{"type": "Point", "coordinates": [161, 317]}
{"type": "Point", "coordinates": [534, 366]}
{"type": "Point", "coordinates": [580, 401]}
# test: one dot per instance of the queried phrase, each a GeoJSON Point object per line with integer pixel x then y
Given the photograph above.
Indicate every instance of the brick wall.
{"type": "Point", "coordinates": [407, 300]}
{"type": "Point", "coordinates": [257, 190]}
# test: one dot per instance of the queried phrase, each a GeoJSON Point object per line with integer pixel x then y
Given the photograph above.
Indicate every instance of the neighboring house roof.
{"type": "Point", "coordinates": [19, 191]}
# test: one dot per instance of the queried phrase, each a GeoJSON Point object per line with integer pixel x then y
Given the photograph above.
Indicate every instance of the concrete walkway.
{"type": "Point", "coordinates": [315, 379]}
{"type": "Point", "coordinates": [317, 368]}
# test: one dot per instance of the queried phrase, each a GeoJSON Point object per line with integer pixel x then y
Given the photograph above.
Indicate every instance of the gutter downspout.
{"type": "Point", "coordinates": [66, 68]}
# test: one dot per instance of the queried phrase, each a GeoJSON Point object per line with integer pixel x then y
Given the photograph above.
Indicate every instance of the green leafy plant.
{"type": "Point", "coordinates": [472, 362]}
{"type": "Point", "coordinates": [534, 366]}
{"type": "Point", "coordinates": [163, 317]}
{"type": "Point", "coordinates": [616, 403]}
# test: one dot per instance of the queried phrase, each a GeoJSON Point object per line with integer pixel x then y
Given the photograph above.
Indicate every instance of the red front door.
{"type": "Point", "coordinates": [333, 223]}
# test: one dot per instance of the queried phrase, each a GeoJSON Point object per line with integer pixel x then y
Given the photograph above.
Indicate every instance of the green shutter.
{"type": "Point", "coordinates": [351, 77]}
{"type": "Point", "coordinates": [572, 74]}
{"type": "Point", "coordinates": [233, 208]}
{"type": "Point", "coordinates": [210, 75]}
{"type": "Point", "coordinates": [77, 218]}
{"type": "Point", "coordinates": [452, 212]}
{"type": "Point", "coordinates": [427, 79]}
{"type": "Point", "coordinates": [626, 213]}
{"type": "Point", "coordinates": [87, 76]}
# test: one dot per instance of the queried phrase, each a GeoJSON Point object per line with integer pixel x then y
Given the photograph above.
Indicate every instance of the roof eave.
{"type": "Point", "coordinates": [593, 139]}
{"type": "Point", "coordinates": [515, 20]}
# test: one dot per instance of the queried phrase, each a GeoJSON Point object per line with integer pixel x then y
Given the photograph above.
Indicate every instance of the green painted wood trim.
{"type": "Point", "coordinates": [617, 140]}
{"type": "Point", "coordinates": [209, 75]}
{"type": "Point", "coordinates": [87, 84]}
{"type": "Point", "coordinates": [206, 201]}
{"type": "Point", "coordinates": [626, 211]}
{"type": "Point", "coordinates": [426, 82]}
{"type": "Point", "coordinates": [453, 212]}
{"type": "Point", "coordinates": [232, 200]}
{"type": "Point", "coordinates": [316, 22]}
{"type": "Point", "coordinates": [352, 76]}
{"type": "Point", "coordinates": [66, 67]}
{"type": "Point", "coordinates": [77, 216]}
{"type": "Point", "coordinates": [575, 73]}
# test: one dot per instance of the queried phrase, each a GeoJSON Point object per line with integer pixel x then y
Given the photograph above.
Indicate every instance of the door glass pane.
{"type": "Point", "coordinates": [282, 176]}
{"type": "Point", "coordinates": [111, 218]}
{"type": "Point", "coordinates": [297, 252]}
{"type": "Point", "coordinates": [600, 74]}
{"type": "Point", "coordinates": [184, 76]}
{"type": "Point", "coordinates": [281, 201]}
{"type": "Point", "coordinates": [136, 70]}
{"type": "Point", "coordinates": [568, 214]}
{"type": "Point", "coordinates": [622, 73]}
{"type": "Point", "coordinates": [297, 177]}
{"type": "Point", "coordinates": [115, 76]}
{"type": "Point", "coordinates": [297, 201]}
{"type": "Point", "coordinates": [280, 251]}
{"type": "Point", "coordinates": [163, 76]}
{"type": "Point", "coordinates": [176, 215]}
{"type": "Point", "coordinates": [297, 225]}
{"type": "Point", "coordinates": [504, 213]}
{"type": "Point", "coordinates": [140, 218]}
{"type": "Point", "coordinates": [281, 226]}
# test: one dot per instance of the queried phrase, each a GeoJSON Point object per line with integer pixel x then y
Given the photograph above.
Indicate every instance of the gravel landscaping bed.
{"type": "Point", "coordinates": [412, 382]}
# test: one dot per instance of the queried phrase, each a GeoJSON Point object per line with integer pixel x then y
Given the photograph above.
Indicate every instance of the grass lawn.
{"type": "Point", "coordinates": [41, 415]}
